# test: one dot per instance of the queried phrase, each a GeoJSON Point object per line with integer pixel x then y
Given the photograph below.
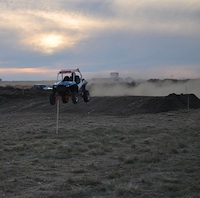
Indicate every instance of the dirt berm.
{"type": "Point", "coordinates": [12, 99]}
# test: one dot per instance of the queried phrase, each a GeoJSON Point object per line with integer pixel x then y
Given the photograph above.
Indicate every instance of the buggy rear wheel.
{"type": "Point", "coordinates": [86, 96]}
{"type": "Point", "coordinates": [52, 99]}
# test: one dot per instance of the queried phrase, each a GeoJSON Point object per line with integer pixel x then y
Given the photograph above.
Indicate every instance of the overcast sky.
{"type": "Point", "coordinates": [137, 38]}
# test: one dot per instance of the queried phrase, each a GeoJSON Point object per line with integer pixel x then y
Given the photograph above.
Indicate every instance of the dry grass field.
{"type": "Point", "coordinates": [98, 151]}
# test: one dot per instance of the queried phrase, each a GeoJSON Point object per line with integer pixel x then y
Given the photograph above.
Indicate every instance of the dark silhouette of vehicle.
{"type": "Point", "coordinates": [41, 87]}
{"type": "Point", "coordinates": [70, 86]}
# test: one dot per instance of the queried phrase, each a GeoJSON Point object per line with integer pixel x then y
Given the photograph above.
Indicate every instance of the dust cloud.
{"type": "Point", "coordinates": [153, 87]}
{"type": "Point", "coordinates": [147, 88]}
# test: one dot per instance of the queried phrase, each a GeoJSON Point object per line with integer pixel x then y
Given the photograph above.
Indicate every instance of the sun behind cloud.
{"type": "Point", "coordinates": [50, 42]}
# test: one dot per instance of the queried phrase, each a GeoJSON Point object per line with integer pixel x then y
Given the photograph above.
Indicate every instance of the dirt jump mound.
{"type": "Point", "coordinates": [12, 99]}
{"type": "Point", "coordinates": [129, 105]}
{"type": "Point", "coordinates": [172, 102]}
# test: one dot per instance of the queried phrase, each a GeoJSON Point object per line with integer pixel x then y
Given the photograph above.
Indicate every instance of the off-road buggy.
{"type": "Point", "coordinates": [70, 84]}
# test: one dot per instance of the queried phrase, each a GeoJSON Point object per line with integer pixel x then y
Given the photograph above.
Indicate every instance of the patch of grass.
{"type": "Point", "coordinates": [94, 145]}
{"type": "Point", "coordinates": [79, 191]}
{"type": "Point", "coordinates": [115, 174]}
{"type": "Point", "coordinates": [102, 160]}
{"type": "Point", "coordinates": [97, 151]}
{"type": "Point", "coordinates": [171, 187]}
{"type": "Point", "coordinates": [79, 171]}
{"type": "Point", "coordinates": [150, 158]}
{"type": "Point", "coordinates": [128, 190]}
{"type": "Point", "coordinates": [131, 160]}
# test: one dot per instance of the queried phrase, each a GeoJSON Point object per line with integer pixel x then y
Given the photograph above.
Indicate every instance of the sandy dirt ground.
{"type": "Point", "coordinates": [96, 153]}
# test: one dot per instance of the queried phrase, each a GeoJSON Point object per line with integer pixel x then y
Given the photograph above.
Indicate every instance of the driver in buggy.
{"type": "Point", "coordinates": [76, 78]}
{"type": "Point", "coordinates": [73, 76]}
{"type": "Point", "coordinates": [66, 78]}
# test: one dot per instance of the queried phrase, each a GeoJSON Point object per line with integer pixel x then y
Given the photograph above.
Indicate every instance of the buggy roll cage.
{"type": "Point", "coordinates": [69, 71]}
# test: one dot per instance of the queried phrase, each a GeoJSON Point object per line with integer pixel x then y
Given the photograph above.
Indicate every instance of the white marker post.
{"type": "Point", "coordinates": [57, 119]}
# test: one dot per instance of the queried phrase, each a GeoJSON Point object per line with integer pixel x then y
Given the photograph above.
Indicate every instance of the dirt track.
{"type": "Point", "coordinates": [109, 147]}
{"type": "Point", "coordinates": [20, 100]}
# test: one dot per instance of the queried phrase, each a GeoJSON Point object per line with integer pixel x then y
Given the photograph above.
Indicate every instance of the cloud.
{"type": "Point", "coordinates": [147, 35]}
{"type": "Point", "coordinates": [165, 16]}
{"type": "Point", "coordinates": [33, 23]}
{"type": "Point", "coordinates": [47, 31]}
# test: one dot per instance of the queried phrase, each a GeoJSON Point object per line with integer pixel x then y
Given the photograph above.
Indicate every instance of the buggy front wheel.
{"type": "Point", "coordinates": [74, 97]}
{"type": "Point", "coordinates": [64, 99]}
{"type": "Point", "coordinates": [52, 99]}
